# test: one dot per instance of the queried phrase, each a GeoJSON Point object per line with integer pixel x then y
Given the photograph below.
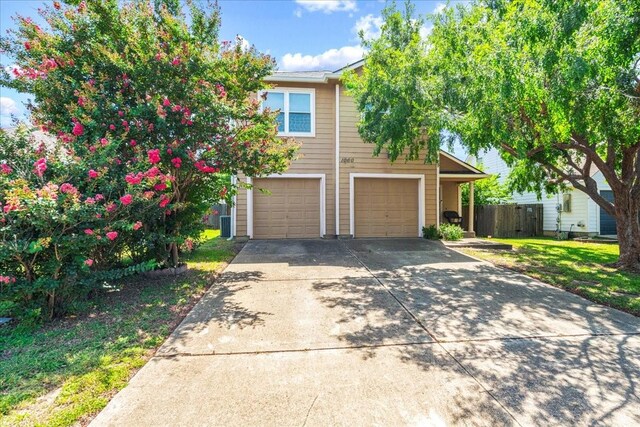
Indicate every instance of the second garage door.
{"type": "Point", "coordinates": [386, 207]}
{"type": "Point", "coordinates": [292, 210]}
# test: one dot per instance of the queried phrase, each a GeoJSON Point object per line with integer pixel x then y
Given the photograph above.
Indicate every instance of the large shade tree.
{"type": "Point", "coordinates": [553, 85]}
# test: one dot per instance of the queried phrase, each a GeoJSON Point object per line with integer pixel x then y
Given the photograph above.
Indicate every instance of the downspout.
{"type": "Point", "coordinates": [336, 180]}
{"type": "Point", "coordinates": [234, 230]}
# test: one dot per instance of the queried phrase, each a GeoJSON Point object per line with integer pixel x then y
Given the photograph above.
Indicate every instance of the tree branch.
{"type": "Point", "coordinates": [590, 187]}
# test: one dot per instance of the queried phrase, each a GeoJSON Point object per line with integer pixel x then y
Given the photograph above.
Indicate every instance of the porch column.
{"type": "Point", "coordinates": [471, 214]}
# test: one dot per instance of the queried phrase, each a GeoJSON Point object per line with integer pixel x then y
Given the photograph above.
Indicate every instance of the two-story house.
{"type": "Point", "coordinates": [336, 187]}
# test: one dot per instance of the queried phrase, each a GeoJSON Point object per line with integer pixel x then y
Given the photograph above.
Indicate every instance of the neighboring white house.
{"type": "Point", "coordinates": [575, 210]}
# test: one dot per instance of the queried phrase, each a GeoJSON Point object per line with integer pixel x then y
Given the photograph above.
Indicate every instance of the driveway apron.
{"type": "Point", "coordinates": [385, 332]}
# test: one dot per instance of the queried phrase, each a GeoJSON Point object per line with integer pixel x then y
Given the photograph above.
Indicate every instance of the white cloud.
{"type": "Point", "coordinates": [369, 25]}
{"type": "Point", "coordinates": [8, 106]}
{"type": "Point", "coordinates": [297, 13]}
{"type": "Point", "coordinates": [328, 6]}
{"type": "Point", "coordinates": [244, 43]}
{"type": "Point", "coordinates": [332, 59]}
{"type": "Point", "coordinates": [440, 7]}
{"type": "Point", "coordinates": [425, 31]}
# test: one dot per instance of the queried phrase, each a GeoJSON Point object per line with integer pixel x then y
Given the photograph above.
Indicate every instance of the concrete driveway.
{"type": "Point", "coordinates": [386, 332]}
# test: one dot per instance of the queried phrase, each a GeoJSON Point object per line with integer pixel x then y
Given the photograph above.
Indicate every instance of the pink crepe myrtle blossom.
{"type": "Point", "coordinates": [88, 232]}
{"type": "Point", "coordinates": [134, 179]}
{"type": "Point", "coordinates": [112, 127]}
{"type": "Point", "coordinates": [99, 197]}
{"type": "Point", "coordinates": [166, 102]}
{"type": "Point", "coordinates": [152, 172]}
{"type": "Point", "coordinates": [88, 262]}
{"type": "Point", "coordinates": [7, 279]}
{"type": "Point", "coordinates": [112, 235]}
{"type": "Point", "coordinates": [176, 61]}
{"type": "Point", "coordinates": [154, 156]}
{"type": "Point", "coordinates": [204, 168]}
{"type": "Point", "coordinates": [133, 143]}
{"type": "Point", "coordinates": [104, 142]}
{"type": "Point", "coordinates": [177, 162]}
{"type": "Point", "coordinates": [160, 187]}
{"type": "Point", "coordinates": [90, 201]}
{"type": "Point", "coordinates": [137, 225]}
{"type": "Point", "coordinates": [27, 45]}
{"type": "Point", "coordinates": [93, 174]}
{"type": "Point", "coordinates": [5, 169]}
{"type": "Point", "coordinates": [164, 201]}
{"type": "Point", "coordinates": [81, 101]}
{"type": "Point", "coordinates": [40, 166]}
{"type": "Point", "coordinates": [148, 195]}
{"type": "Point", "coordinates": [68, 188]}
{"type": "Point", "coordinates": [78, 129]}
{"type": "Point", "coordinates": [126, 199]}
{"type": "Point", "coordinates": [111, 207]}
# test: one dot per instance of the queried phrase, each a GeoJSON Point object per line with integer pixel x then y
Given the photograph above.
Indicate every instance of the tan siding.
{"type": "Point", "coordinates": [316, 155]}
{"type": "Point", "coordinates": [449, 197]}
{"type": "Point", "coordinates": [448, 165]}
{"type": "Point", "coordinates": [351, 146]}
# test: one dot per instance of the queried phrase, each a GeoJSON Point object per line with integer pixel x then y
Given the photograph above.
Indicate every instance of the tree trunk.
{"type": "Point", "coordinates": [628, 227]}
{"type": "Point", "coordinates": [174, 254]}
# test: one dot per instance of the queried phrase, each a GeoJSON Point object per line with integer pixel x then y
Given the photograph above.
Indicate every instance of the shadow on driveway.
{"type": "Point", "coordinates": [396, 331]}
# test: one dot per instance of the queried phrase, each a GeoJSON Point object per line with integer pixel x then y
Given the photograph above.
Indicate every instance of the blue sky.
{"type": "Point", "coordinates": [299, 34]}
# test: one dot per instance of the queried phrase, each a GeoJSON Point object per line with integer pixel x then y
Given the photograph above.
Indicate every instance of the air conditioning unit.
{"type": "Point", "coordinates": [225, 226]}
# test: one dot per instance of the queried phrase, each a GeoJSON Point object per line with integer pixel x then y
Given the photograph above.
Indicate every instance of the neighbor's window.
{"type": "Point", "coordinates": [296, 110]}
{"type": "Point", "coordinates": [566, 202]}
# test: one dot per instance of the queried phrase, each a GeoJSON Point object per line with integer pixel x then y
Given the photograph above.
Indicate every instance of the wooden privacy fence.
{"type": "Point", "coordinates": [213, 218]}
{"type": "Point", "coordinates": [508, 220]}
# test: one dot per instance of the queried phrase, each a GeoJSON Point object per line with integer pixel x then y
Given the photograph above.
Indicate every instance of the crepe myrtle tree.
{"type": "Point", "coordinates": [150, 106]}
{"type": "Point", "coordinates": [553, 85]}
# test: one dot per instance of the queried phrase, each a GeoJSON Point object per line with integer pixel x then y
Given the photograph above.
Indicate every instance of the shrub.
{"type": "Point", "coordinates": [451, 232]}
{"type": "Point", "coordinates": [152, 113]}
{"type": "Point", "coordinates": [431, 232]}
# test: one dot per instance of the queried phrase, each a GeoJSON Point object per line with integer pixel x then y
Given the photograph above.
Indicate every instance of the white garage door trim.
{"type": "Point", "coordinates": [323, 190]}
{"type": "Point", "coordinates": [352, 178]}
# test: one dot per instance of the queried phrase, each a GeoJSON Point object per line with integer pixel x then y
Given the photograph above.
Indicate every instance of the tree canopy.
{"type": "Point", "coordinates": [553, 85]}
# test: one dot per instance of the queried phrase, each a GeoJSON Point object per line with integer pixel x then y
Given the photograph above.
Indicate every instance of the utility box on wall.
{"type": "Point", "coordinates": [225, 226]}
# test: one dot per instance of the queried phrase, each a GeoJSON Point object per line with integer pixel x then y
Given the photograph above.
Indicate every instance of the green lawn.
{"type": "Point", "coordinates": [575, 266]}
{"type": "Point", "coordinates": [67, 371]}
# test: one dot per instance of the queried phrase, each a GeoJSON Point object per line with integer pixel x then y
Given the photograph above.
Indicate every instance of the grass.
{"type": "Point", "coordinates": [65, 372]}
{"type": "Point", "coordinates": [575, 266]}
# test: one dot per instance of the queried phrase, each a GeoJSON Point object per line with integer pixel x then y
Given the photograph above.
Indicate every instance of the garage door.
{"type": "Point", "coordinates": [292, 210]}
{"type": "Point", "coordinates": [386, 207]}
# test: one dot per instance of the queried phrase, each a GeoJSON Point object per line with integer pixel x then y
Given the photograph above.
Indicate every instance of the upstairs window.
{"type": "Point", "coordinates": [297, 110]}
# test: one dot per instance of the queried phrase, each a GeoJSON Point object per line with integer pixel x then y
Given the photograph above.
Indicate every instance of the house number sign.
{"type": "Point", "coordinates": [347, 160]}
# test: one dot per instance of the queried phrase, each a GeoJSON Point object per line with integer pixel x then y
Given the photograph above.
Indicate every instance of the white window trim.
{"type": "Point", "coordinates": [234, 210]}
{"type": "Point", "coordinates": [421, 199]}
{"type": "Point", "coordinates": [323, 191]}
{"type": "Point", "coordinates": [287, 91]}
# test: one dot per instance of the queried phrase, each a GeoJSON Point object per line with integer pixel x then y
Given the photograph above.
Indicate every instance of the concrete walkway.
{"type": "Point", "coordinates": [385, 332]}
